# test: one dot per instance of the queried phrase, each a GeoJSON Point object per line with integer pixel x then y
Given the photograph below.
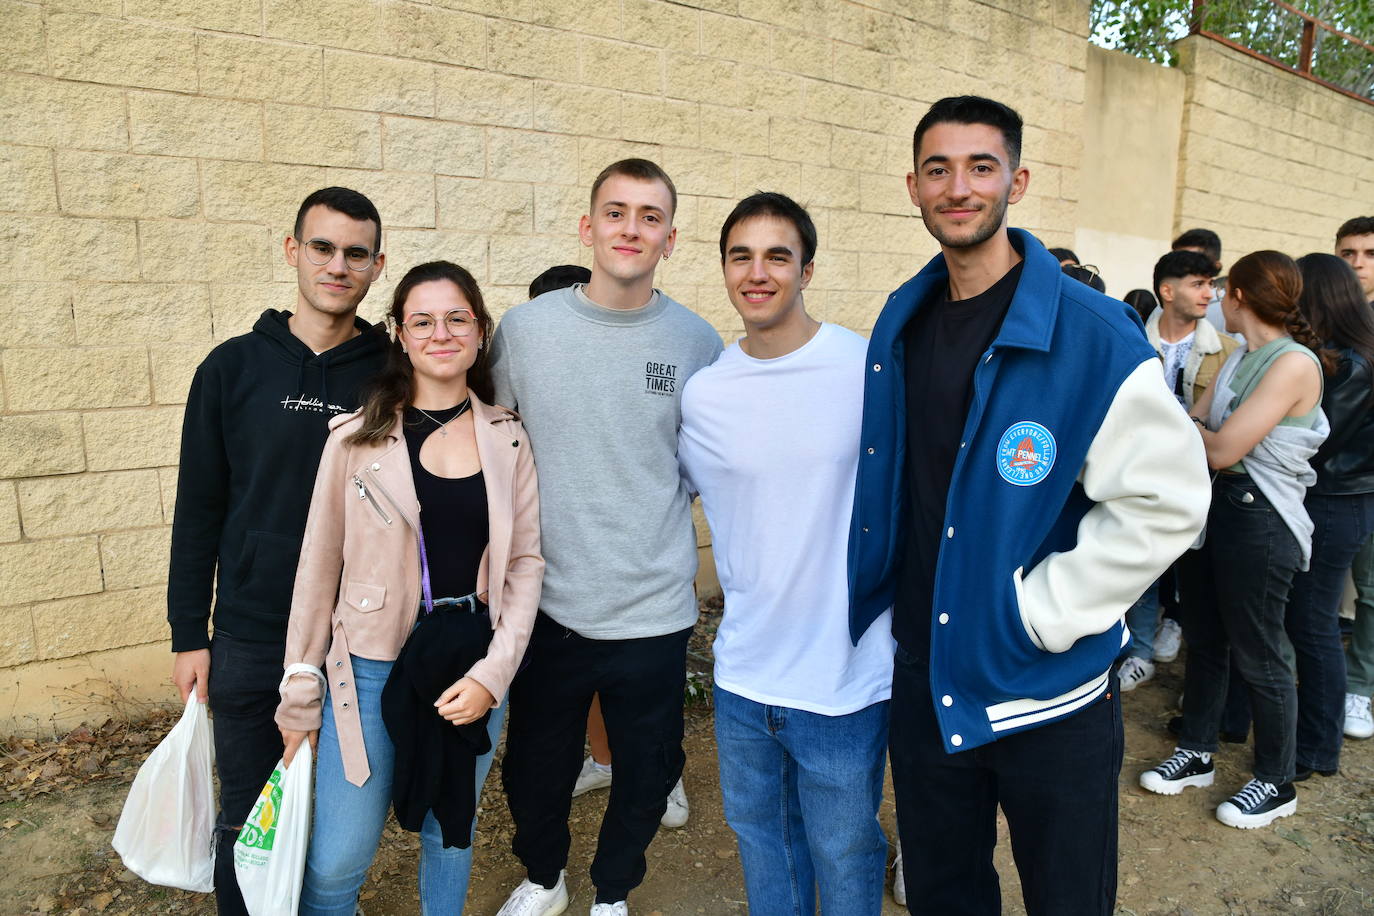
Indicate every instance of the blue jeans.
{"type": "Point", "coordinates": [1342, 524]}
{"type": "Point", "coordinates": [349, 819]}
{"type": "Point", "coordinates": [801, 791]}
{"type": "Point", "coordinates": [1235, 594]}
{"type": "Point", "coordinates": [1141, 620]}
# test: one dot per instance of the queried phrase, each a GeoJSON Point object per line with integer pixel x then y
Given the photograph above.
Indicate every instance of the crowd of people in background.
{"type": "Point", "coordinates": [1273, 362]}
{"type": "Point", "coordinates": [951, 546]}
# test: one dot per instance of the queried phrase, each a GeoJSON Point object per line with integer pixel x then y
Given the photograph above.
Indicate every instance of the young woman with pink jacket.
{"type": "Point", "coordinates": [426, 503]}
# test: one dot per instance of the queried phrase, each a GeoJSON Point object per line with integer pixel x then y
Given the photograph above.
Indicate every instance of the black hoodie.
{"type": "Point", "coordinates": [257, 417]}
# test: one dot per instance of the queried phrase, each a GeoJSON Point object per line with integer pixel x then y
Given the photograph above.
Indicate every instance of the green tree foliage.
{"type": "Point", "coordinates": [1148, 29]}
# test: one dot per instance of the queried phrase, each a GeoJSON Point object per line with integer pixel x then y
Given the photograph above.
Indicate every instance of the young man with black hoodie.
{"type": "Point", "coordinates": [256, 421]}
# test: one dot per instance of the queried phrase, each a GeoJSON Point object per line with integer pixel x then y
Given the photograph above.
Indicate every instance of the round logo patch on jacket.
{"type": "Point", "coordinates": [1025, 453]}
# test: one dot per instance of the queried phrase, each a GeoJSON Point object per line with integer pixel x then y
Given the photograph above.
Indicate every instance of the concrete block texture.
{"type": "Point", "coordinates": [27, 183]}
{"type": "Point", "coordinates": [106, 184]}
{"type": "Point", "coordinates": [133, 559]}
{"type": "Point", "coordinates": [32, 445]}
{"type": "Point", "coordinates": [146, 437]}
{"type": "Point", "coordinates": [86, 503]}
{"type": "Point", "coordinates": [112, 619]}
{"type": "Point", "coordinates": [177, 125]}
{"type": "Point", "coordinates": [102, 49]}
{"type": "Point", "coordinates": [17, 641]}
{"type": "Point", "coordinates": [63, 114]}
{"type": "Point", "coordinates": [299, 133]}
{"type": "Point", "coordinates": [35, 314]}
{"type": "Point", "coordinates": [37, 379]}
{"type": "Point", "coordinates": [10, 529]}
{"type": "Point", "coordinates": [47, 569]}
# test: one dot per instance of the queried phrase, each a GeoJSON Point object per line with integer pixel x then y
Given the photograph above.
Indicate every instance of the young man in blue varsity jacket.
{"type": "Point", "coordinates": [1025, 474]}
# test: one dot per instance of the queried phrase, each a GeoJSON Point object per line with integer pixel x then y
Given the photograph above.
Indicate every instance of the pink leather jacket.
{"type": "Point", "coordinates": [357, 586]}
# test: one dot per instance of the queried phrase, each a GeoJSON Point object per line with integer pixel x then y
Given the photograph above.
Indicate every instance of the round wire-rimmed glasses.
{"type": "Point", "coordinates": [421, 325]}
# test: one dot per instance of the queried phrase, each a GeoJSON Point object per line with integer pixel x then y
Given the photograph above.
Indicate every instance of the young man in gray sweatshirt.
{"type": "Point", "coordinates": [597, 373]}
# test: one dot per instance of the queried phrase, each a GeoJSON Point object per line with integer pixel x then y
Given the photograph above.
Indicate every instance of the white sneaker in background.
{"type": "Point", "coordinates": [593, 776]}
{"type": "Point", "coordinates": [1134, 672]}
{"type": "Point", "coordinates": [1359, 722]}
{"type": "Point", "coordinates": [677, 811]}
{"type": "Point", "coordinates": [530, 899]}
{"type": "Point", "coordinates": [1168, 640]}
{"type": "Point", "coordinates": [620, 908]}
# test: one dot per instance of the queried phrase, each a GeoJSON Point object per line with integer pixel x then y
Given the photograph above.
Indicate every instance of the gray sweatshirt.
{"type": "Point", "coordinates": [600, 393]}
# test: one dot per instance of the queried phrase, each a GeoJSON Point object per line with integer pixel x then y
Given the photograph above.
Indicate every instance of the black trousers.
{"type": "Point", "coordinates": [244, 677]}
{"type": "Point", "coordinates": [1057, 785]}
{"type": "Point", "coordinates": [640, 682]}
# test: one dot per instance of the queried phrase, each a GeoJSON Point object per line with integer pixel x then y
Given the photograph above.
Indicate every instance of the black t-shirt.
{"type": "Point", "coordinates": [943, 345]}
{"type": "Point", "coordinates": [453, 513]}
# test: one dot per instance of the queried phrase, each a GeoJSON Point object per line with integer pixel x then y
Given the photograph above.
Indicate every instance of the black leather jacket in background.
{"type": "Point", "coordinates": [1345, 462]}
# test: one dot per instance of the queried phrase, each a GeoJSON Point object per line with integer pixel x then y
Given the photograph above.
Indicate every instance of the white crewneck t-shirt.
{"type": "Point", "coordinates": [772, 446]}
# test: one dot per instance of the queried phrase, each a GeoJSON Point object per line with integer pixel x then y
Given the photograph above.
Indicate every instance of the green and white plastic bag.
{"type": "Point", "coordinates": [269, 855]}
{"type": "Point", "coordinates": [166, 831]}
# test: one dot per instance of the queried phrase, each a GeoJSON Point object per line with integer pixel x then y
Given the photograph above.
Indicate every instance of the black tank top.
{"type": "Point", "coordinates": [453, 512]}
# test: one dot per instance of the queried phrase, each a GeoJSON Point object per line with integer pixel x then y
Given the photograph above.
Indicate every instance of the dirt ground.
{"type": "Point", "coordinates": [64, 797]}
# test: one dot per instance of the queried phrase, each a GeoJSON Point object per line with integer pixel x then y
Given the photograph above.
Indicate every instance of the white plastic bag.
{"type": "Point", "coordinates": [269, 855]}
{"type": "Point", "coordinates": [166, 832]}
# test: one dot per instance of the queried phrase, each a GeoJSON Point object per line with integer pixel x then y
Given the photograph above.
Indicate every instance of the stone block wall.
{"type": "Point", "coordinates": [1267, 159]}
{"type": "Point", "coordinates": [153, 153]}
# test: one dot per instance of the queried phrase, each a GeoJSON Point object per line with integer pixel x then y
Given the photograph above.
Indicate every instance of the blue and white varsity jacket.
{"type": "Point", "coordinates": [1079, 479]}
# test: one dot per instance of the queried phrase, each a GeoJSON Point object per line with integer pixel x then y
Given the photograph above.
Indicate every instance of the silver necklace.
{"type": "Point", "coordinates": [462, 409]}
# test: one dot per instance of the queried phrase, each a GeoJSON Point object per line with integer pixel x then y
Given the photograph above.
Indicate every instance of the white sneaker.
{"type": "Point", "coordinates": [898, 881]}
{"type": "Point", "coordinates": [1134, 672]}
{"type": "Point", "coordinates": [620, 908]}
{"type": "Point", "coordinates": [593, 776]}
{"type": "Point", "coordinates": [1168, 640]}
{"type": "Point", "coordinates": [677, 811]}
{"type": "Point", "coordinates": [1359, 722]}
{"type": "Point", "coordinates": [530, 899]}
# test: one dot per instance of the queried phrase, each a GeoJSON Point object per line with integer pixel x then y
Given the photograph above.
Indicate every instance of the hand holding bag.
{"type": "Point", "coordinates": [269, 855]}
{"type": "Point", "coordinates": [166, 831]}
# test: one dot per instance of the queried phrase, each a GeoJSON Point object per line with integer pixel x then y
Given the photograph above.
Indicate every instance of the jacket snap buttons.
{"type": "Point", "coordinates": [865, 531]}
{"type": "Point", "coordinates": [947, 700]}
{"type": "Point", "coordinates": [515, 444]}
{"type": "Point", "coordinates": [950, 532]}
{"type": "Point", "coordinates": [944, 618]}
{"type": "Point", "coordinates": [1248, 498]}
{"type": "Point", "coordinates": [338, 664]}
{"type": "Point", "coordinates": [877, 367]}
{"type": "Point", "coordinates": [345, 706]}
{"type": "Point", "coordinates": [363, 603]}
{"type": "Point", "coordinates": [955, 740]}
{"type": "Point", "coordinates": [376, 467]}
{"type": "Point", "coordinates": [870, 451]}
{"type": "Point", "coordinates": [343, 683]}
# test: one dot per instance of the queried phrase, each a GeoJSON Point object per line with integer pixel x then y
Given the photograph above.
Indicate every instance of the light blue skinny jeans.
{"type": "Point", "coordinates": [801, 791]}
{"type": "Point", "coordinates": [1141, 620]}
{"type": "Point", "coordinates": [348, 819]}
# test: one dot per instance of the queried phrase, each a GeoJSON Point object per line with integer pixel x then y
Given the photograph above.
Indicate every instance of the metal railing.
{"type": "Point", "coordinates": [1283, 35]}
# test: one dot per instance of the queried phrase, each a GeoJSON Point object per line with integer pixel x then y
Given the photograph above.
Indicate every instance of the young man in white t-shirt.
{"type": "Point", "coordinates": [770, 440]}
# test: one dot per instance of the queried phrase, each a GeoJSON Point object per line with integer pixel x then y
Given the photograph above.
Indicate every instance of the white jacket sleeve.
{"type": "Point", "coordinates": [1147, 473]}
